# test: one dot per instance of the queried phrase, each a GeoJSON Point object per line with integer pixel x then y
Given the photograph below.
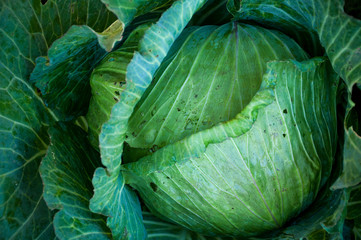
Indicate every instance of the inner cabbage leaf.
{"type": "Point", "coordinates": [209, 76]}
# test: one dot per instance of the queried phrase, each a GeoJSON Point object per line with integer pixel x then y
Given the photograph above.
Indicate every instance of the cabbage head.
{"type": "Point", "coordinates": [240, 131]}
{"type": "Point", "coordinates": [180, 119]}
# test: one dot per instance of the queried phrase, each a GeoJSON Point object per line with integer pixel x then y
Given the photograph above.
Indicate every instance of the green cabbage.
{"type": "Point", "coordinates": [180, 119]}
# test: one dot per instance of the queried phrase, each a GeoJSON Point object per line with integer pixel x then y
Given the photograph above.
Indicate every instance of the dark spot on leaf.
{"type": "Point", "coordinates": [117, 93]}
{"type": "Point", "coordinates": [154, 148]}
{"type": "Point", "coordinates": [284, 135]}
{"type": "Point", "coordinates": [168, 177]}
{"type": "Point", "coordinates": [43, 1]}
{"type": "Point", "coordinates": [153, 186]}
{"type": "Point", "coordinates": [126, 136]}
{"type": "Point", "coordinates": [115, 83]}
{"type": "Point", "coordinates": [115, 99]}
{"type": "Point", "coordinates": [125, 233]}
{"type": "Point", "coordinates": [195, 96]}
{"type": "Point", "coordinates": [178, 109]}
{"type": "Point", "coordinates": [142, 124]}
{"type": "Point", "coordinates": [285, 111]}
{"type": "Point", "coordinates": [264, 131]}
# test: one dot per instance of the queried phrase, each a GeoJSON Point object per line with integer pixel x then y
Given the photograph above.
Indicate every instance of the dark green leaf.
{"type": "Point", "coordinates": [27, 28]}
{"type": "Point", "coordinates": [354, 203]}
{"type": "Point", "coordinates": [66, 171]}
{"type": "Point", "coordinates": [63, 76]}
{"type": "Point", "coordinates": [214, 12]}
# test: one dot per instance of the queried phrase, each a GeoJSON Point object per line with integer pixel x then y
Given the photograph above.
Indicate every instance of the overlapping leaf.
{"type": "Point", "coordinates": [108, 81]}
{"type": "Point", "coordinates": [152, 50]}
{"type": "Point", "coordinates": [63, 76]}
{"type": "Point", "coordinates": [339, 34]}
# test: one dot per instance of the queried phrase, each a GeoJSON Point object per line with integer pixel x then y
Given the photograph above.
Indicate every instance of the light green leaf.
{"type": "Point", "coordinates": [339, 33]}
{"type": "Point", "coordinates": [118, 201]}
{"type": "Point", "coordinates": [66, 171]}
{"type": "Point", "coordinates": [110, 36]}
{"type": "Point", "coordinates": [288, 130]}
{"type": "Point", "coordinates": [205, 79]}
{"type": "Point", "coordinates": [152, 50]}
{"type": "Point", "coordinates": [108, 80]}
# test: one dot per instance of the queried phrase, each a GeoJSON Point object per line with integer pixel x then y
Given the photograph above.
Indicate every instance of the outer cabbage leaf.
{"type": "Point", "coordinates": [209, 179]}
{"type": "Point", "coordinates": [109, 184]}
{"type": "Point", "coordinates": [26, 30]}
{"type": "Point", "coordinates": [351, 172]}
{"type": "Point", "coordinates": [63, 76]}
{"type": "Point", "coordinates": [66, 171]}
{"type": "Point", "coordinates": [339, 33]}
{"type": "Point", "coordinates": [23, 143]}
